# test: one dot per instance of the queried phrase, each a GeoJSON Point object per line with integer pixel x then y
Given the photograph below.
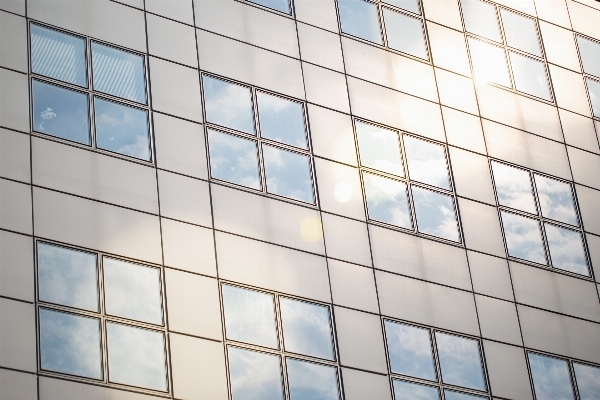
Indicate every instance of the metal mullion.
{"type": "Point", "coordinates": [411, 202]}
{"type": "Point", "coordinates": [539, 218]}
{"type": "Point", "coordinates": [382, 28]}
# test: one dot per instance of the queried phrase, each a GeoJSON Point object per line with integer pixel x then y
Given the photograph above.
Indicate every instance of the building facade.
{"type": "Point", "coordinates": [313, 199]}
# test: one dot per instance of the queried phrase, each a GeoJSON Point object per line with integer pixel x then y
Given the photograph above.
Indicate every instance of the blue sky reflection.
{"type": "Point", "coordinates": [254, 376]}
{"type": "Point", "coordinates": [409, 349]}
{"type": "Point", "coordinates": [460, 361]}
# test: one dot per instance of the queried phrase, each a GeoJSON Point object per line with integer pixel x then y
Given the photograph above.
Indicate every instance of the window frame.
{"type": "Point", "coordinates": [586, 75]}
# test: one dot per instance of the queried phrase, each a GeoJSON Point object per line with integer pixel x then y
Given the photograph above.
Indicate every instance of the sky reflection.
{"type": "Point", "coordinates": [590, 55]}
{"type": "Point", "coordinates": [404, 33]}
{"type": "Point", "coordinates": [281, 120]}
{"type": "Point", "coordinates": [460, 361]}
{"type": "Point", "coordinates": [523, 237]}
{"type": "Point", "coordinates": [594, 91]}
{"type": "Point", "coordinates": [520, 32]}
{"type": "Point", "coordinates": [551, 380]}
{"type": "Point", "coordinates": [228, 105]}
{"type": "Point", "coordinates": [435, 213]}
{"type": "Point", "coordinates": [409, 349]}
{"type": "Point", "coordinates": [360, 18]}
{"type": "Point", "coordinates": [452, 395]}
{"type": "Point", "coordinates": [480, 19]}
{"type": "Point", "coordinates": [426, 162]}
{"type": "Point", "coordinates": [288, 174]}
{"type": "Point", "coordinates": [387, 200]}
{"type": "Point", "coordinates": [310, 381]}
{"type": "Point", "coordinates": [409, 5]}
{"type": "Point", "coordinates": [530, 76]}
{"type": "Point", "coordinates": [513, 187]}
{"type": "Point", "coordinates": [566, 249]}
{"type": "Point", "coordinates": [556, 200]}
{"type": "Point", "coordinates": [279, 5]}
{"type": "Point", "coordinates": [254, 376]}
{"type": "Point", "coordinates": [379, 148]}
{"type": "Point", "coordinates": [404, 390]}
{"type": "Point", "coordinates": [234, 159]}
{"type": "Point", "coordinates": [588, 381]}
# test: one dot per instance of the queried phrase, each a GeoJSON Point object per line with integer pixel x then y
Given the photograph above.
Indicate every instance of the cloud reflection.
{"type": "Point", "coordinates": [288, 174]}
{"type": "Point", "coordinates": [379, 148]}
{"type": "Point", "coordinates": [426, 162]}
{"type": "Point", "coordinates": [551, 380]}
{"type": "Point", "coordinates": [588, 381]}
{"type": "Point", "coordinates": [404, 390]}
{"type": "Point", "coordinates": [435, 214]}
{"type": "Point", "coordinates": [228, 105]}
{"type": "Point", "coordinates": [310, 381]}
{"type": "Point", "coordinates": [254, 376]}
{"type": "Point", "coordinates": [523, 237]}
{"type": "Point", "coordinates": [387, 201]}
{"type": "Point", "coordinates": [556, 200]}
{"type": "Point", "coordinates": [360, 18]}
{"type": "Point", "coordinates": [281, 120]}
{"type": "Point", "coordinates": [452, 395]}
{"type": "Point", "coordinates": [409, 349]}
{"type": "Point", "coordinates": [460, 361]}
{"type": "Point", "coordinates": [234, 159]}
{"type": "Point", "coordinates": [566, 249]}
{"type": "Point", "coordinates": [513, 187]}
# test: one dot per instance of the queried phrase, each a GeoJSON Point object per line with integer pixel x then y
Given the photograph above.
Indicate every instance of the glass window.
{"type": "Point", "coordinates": [513, 187]}
{"type": "Point", "coordinates": [58, 55]}
{"type": "Point", "coordinates": [435, 214]}
{"type": "Point", "coordinates": [520, 32]}
{"type": "Point", "coordinates": [594, 91]}
{"type": "Point", "coordinates": [530, 76]}
{"type": "Point", "coordinates": [409, 350]}
{"type": "Point", "coordinates": [404, 33]}
{"type": "Point", "coordinates": [288, 174]}
{"type": "Point", "coordinates": [452, 395]}
{"type": "Point", "coordinates": [556, 200]}
{"type": "Point", "coordinates": [306, 328]}
{"type": "Point", "coordinates": [523, 237]}
{"type": "Point", "coordinates": [281, 120]}
{"type": "Point", "coordinates": [61, 112]}
{"type": "Point", "coordinates": [387, 200]}
{"type": "Point", "coordinates": [588, 381]}
{"type": "Point", "coordinates": [234, 159]}
{"type": "Point", "coordinates": [254, 376]}
{"type": "Point", "coordinates": [489, 63]}
{"type": "Point", "coordinates": [413, 391]}
{"type": "Point", "coordinates": [228, 105]}
{"type": "Point", "coordinates": [426, 162]}
{"type": "Point", "coordinates": [460, 361]}
{"type": "Point", "coordinates": [249, 316]}
{"type": "Point", "coordinates": [136, 356]}
{"type": "Point", "coordinates": [279, 5]}
{"type": "Point", "coordinates": [590, 55]}
{"type": "Point", "coordinates": [379, 148]}
{"type": "Point", "coordinates": [70, 344]}
{"type": "Point", "coordinates": [480, 18]}
{"type": "Point", "coordinates": [408, 5]}
{"type": "Point", "coordinates": [566, 249]}
{"type": "Point", "coordinates": [360, 18]}
{"type": "Point", "coordinates": [310, 381]}
{"type": "Point", "coordinates": [67, 277]}
{"type": "Point", "coordinates": [551, 378]}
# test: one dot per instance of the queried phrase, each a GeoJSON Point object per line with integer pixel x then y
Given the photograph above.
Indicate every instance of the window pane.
{"type": "Point", "coordinates": [379, 148]}
{"type": "Point", "coordinates": [61, 112]}
{"type": "Point", "coordinates": [132, 291]}
{"type": "Point", "coordinates": [136, 356]}
{"type": "Point", "coordinates": [360, 18]}
{"type": "Point", "coordinates": [306, 328]}
{"type": "Point", "coordinates": [122, 129]}
{"type": "Point", "coordinates": [404, 33]}
{"type": "Point", "coordinates": [513, 188]}
{"type": "Point", "coordinates": [228, 105]}
{"type": "Point", "coordinates": [566, 249]}
{"type": "Point", "coordinates": [480, 19]}
{"type": "Point", "coordinates": [412, 391]}
{"type": "Point", "coordinates": [409, 5]}
{"type": "Point", "coordinates": [435, 214]}
{"type": "Point", "coordinates": [387, 201]}
{"type": "Point", "coordinates": [233, 159]}
{"type": "Point", "coordinates": [594, 91]}
{"type": "Point", "coordinates": [489, 63]}
{"type": "Point", "coordinates": [279, 5]}
{"type": "Point", "coordinates": [588, 381]}
{"type": "Point", "coordinates": [281, 120]}
{"type": "Point", "coordinates": [551, 380]}
{"type": "Point", "coordinates": [523, 237]}
{"type": "Point", "coordinates": [70, 344]}
{"type": "Point", "coordinates": [409, 349]}
{"type": "Point", "coordinates": [556, 199]}
{"type": "Point", "coordinates": [68, 277]}
{"type": "Point", "coordinates": [58, 55]}
{"type": "Point", "coordinates": [288, 174]}
{"type": "Point", "coordinates": [309, 381]}
{"type": "Point", "coordinates": [249, 316]}
{"type": "Point", "coordinates": [254, 376]}
{"type": "Point", "coordinates": [590, 55]}
{"type": "Point", "coordinates": [119, 73]}
{"type": "Point", "coordinates": [520, 32]}
{"type": "Point", "coordinates": [460, 361]}
{"type": "Point", "coordinates": [426, 162]}
{"type": "Point", "coordinates": [530, 76]}
{"type": "Point", "coordinates": [451, 395]}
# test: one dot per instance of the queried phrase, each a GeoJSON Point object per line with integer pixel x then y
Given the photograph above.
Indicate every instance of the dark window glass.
{"type": "Point", "coordinates": [409, 349]}
{"type": "Point", "coordinates": [254, 376]}
{"type": "Point", "coordinates": [310, 381]}
{"type": "Point", "coordinates": [404, 33]}
{"type": "Point", "coordinates": [360, 18]}
{"type": "Point", "coordinates": [460, 361]}
{"type": "Point", "coordinates": [387, 200]}
{"type": "Point", "coordinates": [234, 159]}
{"type": "Point", "coordinates": [281, 120]}
{"type": "Point", "coordinates": [288, 174]}
{"type": "Point", "coordinates": [551, 378]}
{"type": "Point", "coordinates": [228, 105]}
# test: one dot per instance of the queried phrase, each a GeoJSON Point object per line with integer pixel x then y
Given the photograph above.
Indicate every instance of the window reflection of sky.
{"type": "Point", "coordinates": [254, 376]}
{"type": "Point", "coordinates": [379, 148]}
{"type": "Point", "coordinates": [387, 200]}
{"type": "Point", "coordinates": [566, 249]}
{"type": "Point", "coordinates": [594, 91]}
{"type": "Point", "coordinates": [404, 33]}
{"type": "Point", "coordinates": [412, 391]}
{"type": "Point", "coordinates": [523, 237]}
{"type": "Point", "coordinates": [590, 55]}
{"type": "Point", "coordinates": [480, 19]}
{"type": "Point", "coordinates": [435, 214]}
{"type": "Point", "coordinates": [588, 381]}
{"type": "Point", "coordinates": [288, 174]}
{"type": "Point", "coordinates": [520, 32]}
{"type": "Point", "coordinates": [551, 380]}
{"type": "Point", "coordinates": [556, 200]}
{"type": "Point", "coordinates": [309, 381]}
{"type": "Point", "coordinates": [530, 76]}
{"type": "Point", "coordinates": [279, 5]}
{"type": "Point", "coordinates": [360, 18]}
{"type": "Point", "coordinates": [452, 395]}
{"type": "Point", "coordinates": [228, 105]}
{"type": "Point", "coordinates": [409, 5]}
{"type": "Point", "coordinates": [281, 120]}
{"type": "Point", "coordinates": [234, 159]}
{"type": "Point", "coordinates": [513, 187]}
{"type": "Point", "coordinates": [426, 162]}
{"type": "Point", "coordinates": [409, 350]}
{"type": "Point", "coordinates": [460, 361]}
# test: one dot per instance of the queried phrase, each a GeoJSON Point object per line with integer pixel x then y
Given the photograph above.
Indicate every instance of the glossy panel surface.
{"type": "Point", "coordinates": [460, 361]}
{"type": "Point", "coordinates": [309, 381]}
{"type": "Point", "coordinates": [566, 249]}
{"type": "Point", "coordinates": [520, 32]}
{"type": "Point", "coordinates": [387, 200]}
{"type": "Point", "coordinates": [379, 148]}
{"type": "Point", "coordinates": [550, 376]}
{"type": "Point", "coordinates": [288, 174]}
{"type": "Point", "coordinates": [360, 18]}
{"type": "Point", "coordinates": [404, 33]}
{"type": "Point", "coordinates": [234, 159]}
{"type": "Point", "coordinates": [513, 188]}
{"type": "Point", "coordinates": [489, 63]}
{"type": "Point", "coordinates": [228, 105]}
{"type": "Point", "coordinates": [530, 76]}
{"type": "Point", "coordinates": [254, 376]}
{"type": "Point", "coordinates": [588, 381]}
{"type": "Point", "coordinates": [281, 120]}
{"type": "Point", "coordinates": [426, 162]}
{"type": "Point", "coordinates": [435, 213]}
{"type": "Point", "coordinates": [409, 349]}
{"type": "Point", "coordinates": [412, 391]}
{"type": "Point", "coordinates": [523, 237]}
{"type": "Point", "coordinates": [480, 18]}
{"type": "Point", "coordinates": [556, 200]}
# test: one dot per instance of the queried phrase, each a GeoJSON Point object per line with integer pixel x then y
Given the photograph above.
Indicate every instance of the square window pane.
{"type": "Point", "coordinates": [435, 214]}
{"type": "Point", "coordinates": [426, 162]}
{"type": "Point", "coordinates": [228, 105]}
{"type": "Point", "coordinates": [480, 19]}
{"type": "Point", "coordinates": [132, 291]}
{"type": "Point", "coordinates": [589, 51]}
{"type": "Point", "coordinates": [61, 112]}
{"type": "Point", "coordinates": [122, 129]}
{"type": "Point", "coordinates": [413, 391]}
{"type": "Point", "coordinates": [588, 381]}
{"type": "Point", "coordinates": [234, 159]}
{"type": "Point", "coordinates": [460, 361]}
{"type": "Point", "coordinates": [404, 33]}
{"type": "Point", "coordinates": [387, 201]}
{"type": "Point", "coordinates": [513, 187]}
{"type": "Point", "coordinates": [452, 395]}
{"type": "Point", "coordinates": [288, 174]}
{"type": "Point", "coordinates": [379, 148]}
{"type": "Point", "coordinates": [523, 237]}
{"type": "Point", "coordinates": [409, 349]}
{"type": "Point", "coordinates": [279, 5]}
{"type": "Point", "coordinates": [566, 249]}
{"type": "Point", "coordinates": [556, 199]}
{"type": "Point", "coordinates": [70, 344]}
{"type": "Point", "coordinates": [408, 5]}
{"type": "Point", "coordinates": [249, 316]}
{"type": "Point", "coordinates": [520, 32]}
{"type": "Point", "coordinates": [136, 356]}
{"type": "Point", "coordinates": [594, 92]}
{"type": "Point", "coordinates": [489, 63]}
{"type": "Point", "coordinates": [530, 76]}
{"type": "Point", "coordinates": [58, 55]}
{"type": "Point", "coordinates": [310, 381]}
{"type": "Point", "coordinates": [67, 277]}
{"type": "Point", "coordinates": [306, 328]}
{"type": "Point", "coordinates": [119, 73]}
{"type": "Point", "coordinates": [254, 376]}
{"type": "Point", "coordinates": [360, 18]}
{"type": "Point", "coordinates": [551, 378]}
{"type": "Point", "coordinates": [281, 120]}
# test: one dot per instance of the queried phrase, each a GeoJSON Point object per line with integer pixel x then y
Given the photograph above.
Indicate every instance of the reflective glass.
{"type": "Point", "coordinates": [379, 148]}
{"type": "Point", "coordinates": [404, 33]}
{"type": "Point", "coordinates": [122, 129]}
{"type": "Point", "coordinates": [489, 63]}
{"type": "Point", "coordinates": [306, 328]}
{"type": "Point", "coordinates": [588, 381]}
{"type": "Point", "coordinates": [590, 55]}
{"type": "Point", "coordinates": [523, 237]}
{"type": "Point", "coordinates": [288, 174]}
{"type": "Point", "coordinates": [360, 18]}
{"type": "Point", "coordinates": [435, 214]}
{"type": "Point", "coordinates": [594, 91]}
{"type": "Point", "coordinates": [409, 349]}
{"type": "Point", "coordinates": [67, 277]}
{"type": "Point", "coordinates": [310, 381]}
{"type": "Point", "coordinates": [409, 5]}
{"type": "Point", "coordinates": [530, 76]}
{"type": "Point", "coordinates": [480, 19]}
{"type": "Point", "coordinates": [279, 5]}
{"type": "Point", "coordinates": [566, 249]}
{"type": "Point", "coordinates": [452, 395]}
{"type": "Point", "coordinates": [426, 162]}
{"type": "Point", "coordinates": [551, 380]}
{"type": "Point", "coordinates": [233, 159]}
{"type": "Point", "coordinates": [460, 361]}
{"type": "Point", "coordinates": [119, 73]}
{"type": "Point", "coordinates": [136, 356]}
{"type": "Point", "coordinates": [412, 391]}
{"type": "Point", "coordinates": [249, 316]}
{"type": "Point", "coordinates": [513, 188]}
{"type": "Point", "coordinates": [58, 55]}
{"type": "Point", "coordinates": [229, 105]}
{"type": "Point", "coordinates": [61, 112]}
{"type": "Point", "coordinates": [556, 199]}
{"type": "Point", "coordinates": [254, 376]}
{"type": "Point", "coordinates": [387, 201]}
{"type": "Point", "coordinates": [132, 291]}
{"type": "Point", "coordinates": [520, 32]}
{"type": "Point", "coordinates": [281, 120]}
{"type": "Point", "coordinates": [70, 344]}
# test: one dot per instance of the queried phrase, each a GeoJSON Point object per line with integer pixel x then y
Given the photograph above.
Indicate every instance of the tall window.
{"type": "Point", "coordinates": [589, 52]}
